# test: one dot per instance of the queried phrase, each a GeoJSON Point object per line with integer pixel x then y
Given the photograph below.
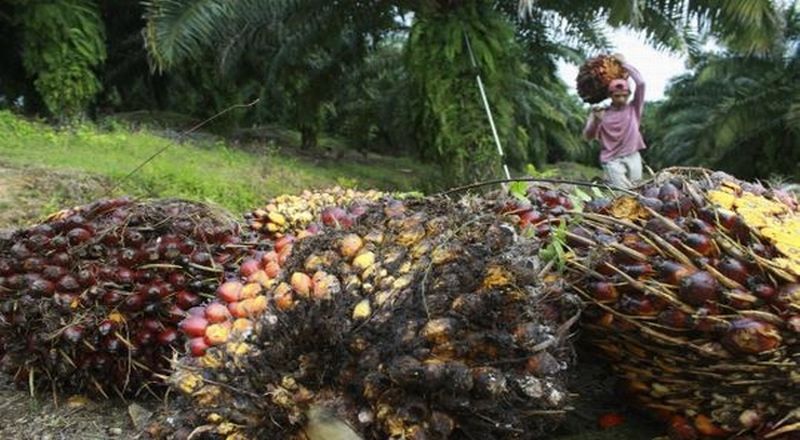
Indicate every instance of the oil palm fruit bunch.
{"type": "Point", "coordinates": [90, 299]}
{"type": "Point", "coordinates": [293, 213]}
{"type": "Point", "coordinates": [424, 319]}
{"type": "Point", "coordinates": [595, 75]}
{"type": "Point", "coordinates": [694, 296]}
{"type": "Point", "coordinates": [539, 207]}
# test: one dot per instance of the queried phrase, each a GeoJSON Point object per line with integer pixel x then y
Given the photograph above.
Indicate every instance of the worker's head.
{"type": "Point", "coordinates": [619, 92]}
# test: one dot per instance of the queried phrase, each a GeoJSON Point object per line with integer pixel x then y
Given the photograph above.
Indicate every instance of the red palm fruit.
{"type": "Point", "coordinates": [260, 277]}
{"type": "Point", "coordinates": [638, 270]}
{"type": "Point", "coordinates": [124, 275]}
{"type": "Point", "coordinates": [741, 231]}
{"type": "Point", "coordinates": [705, 426]}
{"type": "Point", "coordinates": [216, 313]}
{"type": "Point", "coordinates": [196, 311]}
{"type": "Point", "coordinates": [671, 209]}
{"type": "Point", "coordinates": [111, 344]}
{"type": "Point", "coordinates": [68, 283]}
{"type": "Point", "coordinates": [598, 206]}
{"type": "Point", "coordinates": [77, 236]}
{"type": "Point", "coordinates": [37, 241]}
{"type": "Point", "coordinates": [249, 267]}
{"type": "Point", "coordinates": [33, 264]}
{"type": "Point", "coordinates": [542, 230]}
{"type": "Point", "coordinates": [669, 192]}
{"type": "Point", "coordinates": [788, 296]}
{"type": "Point", "coordinates": [603, 291]}
{"type": "Point", "coordinates": [112, 298]}
{"type": "Point", "coordinates": [20, 251]}
{"type": "Point", "coordinates": [60, 259]}
{"type": "Point", "coordinates": [650, 191]}
{"type": "Point", "coordinates": [152, 325]}
{"type": "Point", "coordinates": [284, 255]}
{"type": "Point", "coordinates": [331, 216]}
{"type": "Point", "coordinates": [793, 323]}
{"type": "Point", "coordinates": [134, 303]}
{"type": "Point", "coordinates": [230, 291]}
{"type": "Point", "coordinates": [85, 277]}
{"type": "Point", "coordinates": [42, 287]}
{"type": "Point", "coordinates": [672, 317]}
{"type": "Point", "coordinates": [186, 299]}
{"type": "Point", "coordinates": [201, 258]}
{"type": "Point", "coordinates": [637, 305]}
{"type": "Point", "coordinates": [761, 250]}
{"type": "Point", "coordinates": [283, 242]}
{"type": "Point", "coordinates": [635, 242]}
{"type": "Point", "coordinates": [237, 310]}
{"type": "Point", "coordinates": [680, 429]}
{"type": "Point", "coordinates": [194, 326]}
{"type": "Point", "coordinates": [700, 226]}
{"type": "Point", "coordinates": [529, 217]}
{"type": "Point", "coordinates": [652, 203]}
{"type": "Point", "coordinates": [143, 338]}
{"type": "Point", "coordinates": [603, 268]}
{"type": "Point", "coordinates": [177, 279]}
{"type": "Point", "coordinates": [175, 314]}
{"type": "Point", "coordinates": [106, 327]}
{"type": "Point", "coordinates": [59, 242]}
{"type": "Point", "coordinates": [702, 244]}
{"type": "Point", "coordinates": [272, 269]}
{"type": "Point", "coordinates": [610, 420]}
{"type": "Point", "coordinates": [699, 288]}
{"type": "Point", "coordinates": [550, 198]}
{"type": "Point", "coordinates": [704, 320]}
{"type": "Point", "coordinates": [73, 334]}
{"type": "Point", "coordinates": [346, 222]}
{"type": "Point", "coordinates": [302, 284]}
{"type": "Point", "coordinates": [764, 291]}
{"type": "Point", "coordinates": [269, 256]}
{"type": "Point", "coordinates": [672, 272]}
{"type": "Point", "coordinates": [198, 346]}
{"type": "Point", "coordinates": [217, 334]}
{"type": "Point", "coordinates": [733, 269]}
{"type": "Point", "coordinates": [168, 336]}
{"type": "Point", "coordinates": [394, 208]}
{"type": "Point", "coordinates": [657, 226]}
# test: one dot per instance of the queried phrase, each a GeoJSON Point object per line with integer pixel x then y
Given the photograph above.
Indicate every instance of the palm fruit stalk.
{"type": "Point", "coordinates": [289, 214]}
{"type": "Point", "coordinates": [424, 319]}
{"type": "Point", "coordinates": [595, 75]}
{"type": "Point", "coordinates": [693, 294]}
{"type": "Point", "coordinates": [91, 298]}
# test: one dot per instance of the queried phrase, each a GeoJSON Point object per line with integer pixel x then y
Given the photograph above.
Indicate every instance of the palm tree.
{"type": "Point", "coordinates": [514, 44]}
{"type": "Point", "coordinates": [740, 113]}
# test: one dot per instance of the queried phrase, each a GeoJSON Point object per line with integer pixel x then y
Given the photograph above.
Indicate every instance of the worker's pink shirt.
{"type": "Point", "coordinates": [618, 132]}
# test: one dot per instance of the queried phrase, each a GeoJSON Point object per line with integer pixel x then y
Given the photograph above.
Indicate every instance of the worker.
{"type": "Point", "coordinates": [617, 129]}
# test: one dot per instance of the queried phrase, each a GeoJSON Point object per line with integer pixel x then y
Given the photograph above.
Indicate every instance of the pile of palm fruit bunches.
{"type": "Point", "coordinates": [91, 298]}
{"type": "Point", "coordinates": [692, 286]}
{"type": "Point", "coordinates": [595, 75]}
{"type": "Point", "coordinates": [419, 319]}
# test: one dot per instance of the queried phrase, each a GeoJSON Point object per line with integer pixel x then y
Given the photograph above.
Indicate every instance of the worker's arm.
{"type": "Point", "coordinates": [638, 95]}
{"type": "Point", "coordinates": [593, 124]}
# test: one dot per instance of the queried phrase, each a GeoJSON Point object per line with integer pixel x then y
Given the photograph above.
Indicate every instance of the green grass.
{"type": "Point", "coordinates": [207, 170]}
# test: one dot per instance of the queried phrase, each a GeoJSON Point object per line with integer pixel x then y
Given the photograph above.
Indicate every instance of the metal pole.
{"type": "Point", "coordinates": [486, 106]}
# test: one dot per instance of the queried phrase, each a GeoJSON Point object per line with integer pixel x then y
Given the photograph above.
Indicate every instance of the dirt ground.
{"type": "Point", "coordinates": [29, 194]}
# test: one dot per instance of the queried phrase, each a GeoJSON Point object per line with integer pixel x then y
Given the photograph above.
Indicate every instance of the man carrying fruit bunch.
{"type": "Point", "coordinates": [617, 129]}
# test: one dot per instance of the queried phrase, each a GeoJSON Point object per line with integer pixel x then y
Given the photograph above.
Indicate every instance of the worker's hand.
{"type": "Point", "coordinates": [619, 57]}
{"type": "Point", "coordinates": [597, 112]}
